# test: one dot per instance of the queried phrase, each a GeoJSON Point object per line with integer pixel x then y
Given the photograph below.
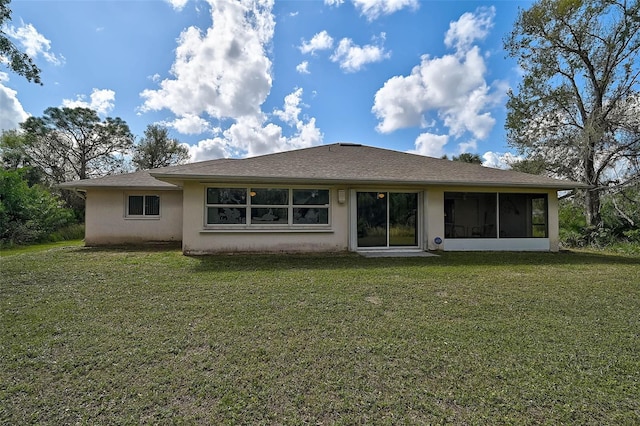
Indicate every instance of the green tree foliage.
{"type": "Point", "coordinates": [578, 105]}
{"type": "Point", "coordinates": [28, 213]}
{"type": "Point", "coordinates": [17, 61]}
{"type": "Point", "coordinates": [465, 157]}
{"type": "Point", "coordinates": [156, 149]}
{"type": "Point", "coordinates": [12, 156]}
{"type": "Point", "coordinates": [534, 166]}
{"type": "Point", "coordinates": [74, 143]}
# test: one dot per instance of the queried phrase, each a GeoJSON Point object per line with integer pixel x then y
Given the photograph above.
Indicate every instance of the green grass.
{"type": "Point", "coordinates": [148, 336]}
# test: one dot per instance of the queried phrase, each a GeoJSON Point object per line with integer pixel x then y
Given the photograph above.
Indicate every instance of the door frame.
{"type": "Point", "coordinates": [353, 218]}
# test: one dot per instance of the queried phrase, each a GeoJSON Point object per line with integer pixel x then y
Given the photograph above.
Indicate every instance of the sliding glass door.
{"type": "Point", "coordinates": [387, 219]}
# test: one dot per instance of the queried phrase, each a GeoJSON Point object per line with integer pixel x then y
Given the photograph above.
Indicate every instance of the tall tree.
{"type": "Point", "coordinates": [16, 60]}
{"type": "Point", "coordinates": [74, 143]}
{"type": "Point", "coordinates": [156, 149]}
{"type": "Point", "coordinates": [578, 103]}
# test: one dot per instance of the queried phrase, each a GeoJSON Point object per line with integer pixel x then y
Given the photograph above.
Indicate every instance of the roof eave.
{"type": "Point", "coordinates": [332, 181]}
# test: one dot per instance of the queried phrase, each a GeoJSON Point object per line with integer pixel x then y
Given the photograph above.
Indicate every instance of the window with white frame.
{"type": "Point", "coordinates": [143, 206]}
{"type": "Point", "coordinates": [267, 206]}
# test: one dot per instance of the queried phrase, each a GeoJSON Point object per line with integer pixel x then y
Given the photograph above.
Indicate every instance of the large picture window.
{"type": "Point", "coordinates": [492, 215]}
{"type": "Point", "coordinates": [267, 206]}
{"type": "Point", "coordinates": [143, 205]}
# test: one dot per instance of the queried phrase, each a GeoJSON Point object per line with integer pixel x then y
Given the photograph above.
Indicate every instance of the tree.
{"type": "Point", "coordinates": [578, 104]}
{"type": "Point", "coordinates": [28, 213]}
{"type": "Point", "coordinates": [465, 157]}
{"type": "Point", "coordinates": [17, 61]}
{"type": "Point", "coordinates": [156, 149]}
{"type": "Point", "coordinates": [74, 143]}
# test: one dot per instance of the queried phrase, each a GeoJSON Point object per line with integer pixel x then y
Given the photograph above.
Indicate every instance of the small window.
{"type": "Point", "coordinates": [143, 205]}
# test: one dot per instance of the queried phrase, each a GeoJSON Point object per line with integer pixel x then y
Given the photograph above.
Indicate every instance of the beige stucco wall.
{"type": "Point", "coordinates": [198, 239]}
{"type": "Point", "coordinates": [106, 221]}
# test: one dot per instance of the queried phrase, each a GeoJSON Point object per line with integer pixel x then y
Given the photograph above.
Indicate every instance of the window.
{"type": "Point", "coordinates": [267, 206]}
{"type": "Point", "coordinates": [523, 216]}
{"type": "Point", "coordinates": [143, 205]}
{"type": "Point", "coordinates": [470, 215]}
{"type": "Point", "coordinates": [475, 215]}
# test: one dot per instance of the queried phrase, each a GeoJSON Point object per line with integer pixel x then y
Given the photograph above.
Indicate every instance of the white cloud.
{"type": "Point", "coordinates": [224, 74]}
{"type": "Point", "coordinates": [353, 57]}
{"type": "Point", "coordinates": [101, 101]}
{"type": "Point", "coordinates": [373, 9]}
{"type": "Point", "coordinates": [469, 28]}
{"type": "Point", "coordinates": [178, 4]}
{"type": "Point", "coordinates": [430, 145]}
{"type": "Point", "coordinates": [189, 125]}
{"type": "Point", "coordinates": [469, 146]}
{"type": "Point", "coordinates": [291, 109]}
{"type": "Point", "coordinates": [34, 43]}
{"type": "Point", "coordinates": [12, 112]}
{"type": "Point", "coordinates": [303, 67]}
{"type": "Point", "coordinates": [333, 2]}
{"type": "Point", "coordinates": [210, 149]}
{"type": "Point", "coordinates": [320, 41]}
{"type": "Point", "coordinates": [499, 160]}
{"type": "Point", "coordinates": [451, 88]}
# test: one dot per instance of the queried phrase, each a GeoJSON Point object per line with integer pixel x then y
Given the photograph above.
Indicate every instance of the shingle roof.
{"type": "Point", "coordinates": [137, 180]}
{"type": "Point", "coordinates": [353, 163]}
{"type": "Point", "coordinates": [336, 163]}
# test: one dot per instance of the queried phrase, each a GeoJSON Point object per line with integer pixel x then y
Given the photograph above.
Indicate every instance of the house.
{"type": "Point", "coordinates": [326, 198]}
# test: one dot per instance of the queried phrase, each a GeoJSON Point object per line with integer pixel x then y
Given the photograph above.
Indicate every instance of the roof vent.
{"type": "Point", "coordinates": [348, 144]}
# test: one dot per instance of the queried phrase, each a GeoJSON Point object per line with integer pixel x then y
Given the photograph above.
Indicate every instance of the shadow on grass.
{"type": "Point", "coordinates": [348, 260]}
{"type": "Point", "coordinates": [352, 260]}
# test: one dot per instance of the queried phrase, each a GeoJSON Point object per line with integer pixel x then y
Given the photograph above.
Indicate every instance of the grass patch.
{"type": "Point", "coordinates": [150, 336]}
{"type": "Point", "coordinates": [34, 248]}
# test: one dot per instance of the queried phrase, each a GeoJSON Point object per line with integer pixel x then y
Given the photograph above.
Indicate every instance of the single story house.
{"type": "Point", "coordinates": [326, 198]}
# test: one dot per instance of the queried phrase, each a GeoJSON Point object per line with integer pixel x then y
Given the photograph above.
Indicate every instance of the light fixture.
{"type": "Point", "coordinates": [381, 195]}
{"type": "Point", "coordinates": [252, 193]}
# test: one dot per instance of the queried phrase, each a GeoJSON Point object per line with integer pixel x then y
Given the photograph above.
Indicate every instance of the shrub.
{"type": "Point", "coordinates": [28, 213]}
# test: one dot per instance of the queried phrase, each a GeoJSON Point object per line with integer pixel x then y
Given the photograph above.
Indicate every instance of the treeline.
{"type": "Point", "coordinates": [67, 144]}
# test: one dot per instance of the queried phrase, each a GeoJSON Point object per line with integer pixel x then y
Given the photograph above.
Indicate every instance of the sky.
{"type": "Point", "coordinates": [241, 78]}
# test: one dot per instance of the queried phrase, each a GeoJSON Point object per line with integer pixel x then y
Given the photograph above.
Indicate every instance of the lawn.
{"type": "Point", "coordinates": [148, 336]}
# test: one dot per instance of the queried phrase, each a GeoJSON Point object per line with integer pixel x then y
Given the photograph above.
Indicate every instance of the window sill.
{"type": "Point", "coordinates": [142, 217]}
{"type": "Point", "coordinates": [264, 229]}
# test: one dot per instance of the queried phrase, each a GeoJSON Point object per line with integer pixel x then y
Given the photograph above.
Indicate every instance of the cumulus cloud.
{"type": "Point", "coordinates": [224, 71]}
{"type": "Point", "coordinates": [470, 28]}
{"type": "Point", "coordinates": [12, 112]}
{"type": "Point", "coordinates": [100, 100]}
{"type": "Point", "coordinates": [190, 125]}
{"type": "Point", "coordinates": [499, 160]}
{"type": "Point", "coordinates": [320, 41]}
{"type": "Point", "coordinates": [430, 144]}
{"type": "Point", "coordinates": [373, 9]}
{"type": "Point", "coordinates": [303, 67]}
{"type": "Point", "coordinates": [451, 88]}
{"type": "Point", "coordinates": [224, 74]}
{"type": "Point", "coordinates": [33, 43]}
{"type": "Point", "coordinates": [352, 57]}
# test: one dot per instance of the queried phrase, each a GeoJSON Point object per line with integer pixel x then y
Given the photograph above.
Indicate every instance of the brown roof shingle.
{"type": "Point", "coordinates": [336, 163]}
{"type": "Point", "coordinates": [352, 163]}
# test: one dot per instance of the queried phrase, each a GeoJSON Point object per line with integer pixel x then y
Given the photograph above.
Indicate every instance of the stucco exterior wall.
{"type": "Point", "coordinates": [106, 222]}
{"type": "Point", "coordinates": [199, 239]}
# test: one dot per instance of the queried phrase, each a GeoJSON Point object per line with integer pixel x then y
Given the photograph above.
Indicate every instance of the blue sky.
{"type": "Point", "coordinates": [242, 78]}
